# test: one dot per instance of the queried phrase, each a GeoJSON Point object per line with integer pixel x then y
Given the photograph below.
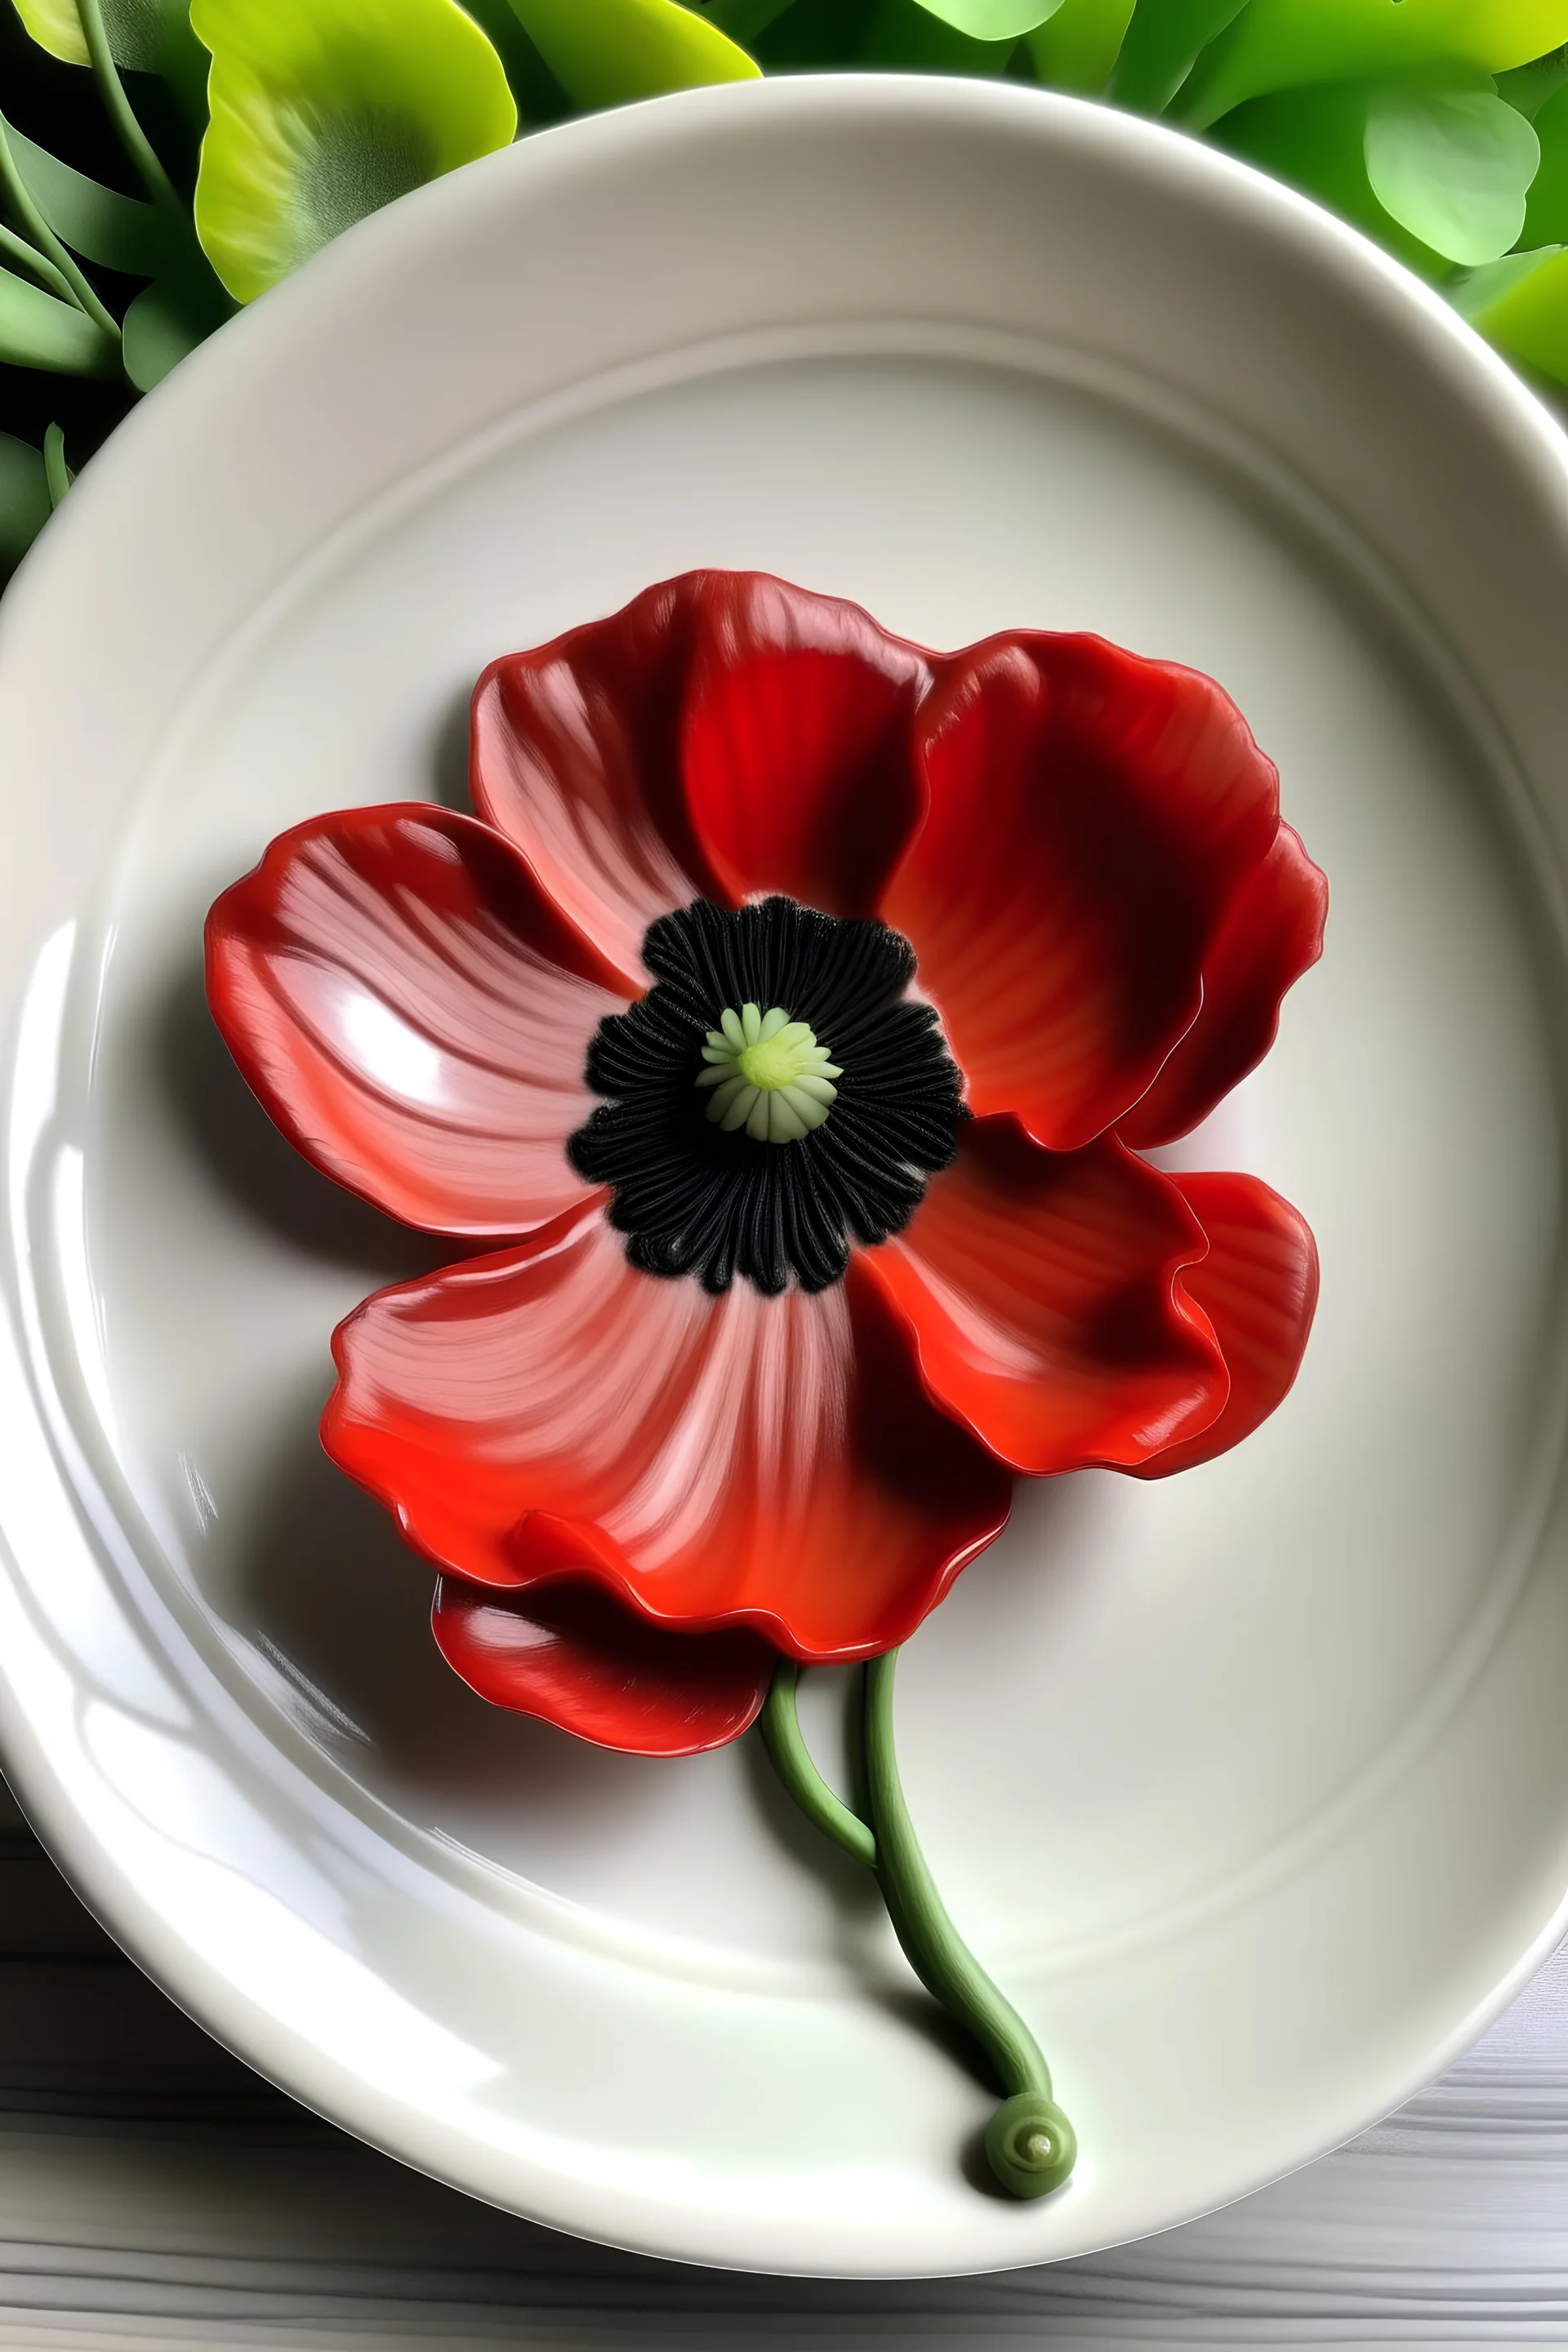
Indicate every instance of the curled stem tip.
{"type": "Point", "coordinates": [1030, 2146]}
{"type": "Point", "coordinates": [1030, 2143]}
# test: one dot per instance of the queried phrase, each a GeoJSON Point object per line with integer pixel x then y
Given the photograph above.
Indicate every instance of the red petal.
{"type": "Point", "coordinates": [1273, 934]}
{"type": "Point", "coordinates": [575, 755]}
{"type": "Point", "coordinates": [413, 1013]}
{"type": "Point", "coordinates": [1259, 1286]}
{"type": "Point", "coordinates": [567, 1651]}
{"type": "Point", "coordinates": [1091, 817]}
{"type": "Point", "coordinates": [768, 1462]}
{"type": "Point", "coordinates": [723, 735]}
{"type": "Point", "coordinates": [1041, 1288]}
{"type": "Point", "coordinates": [799, 774]}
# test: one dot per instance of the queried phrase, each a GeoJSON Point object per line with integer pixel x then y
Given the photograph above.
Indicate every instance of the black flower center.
{"type": "Point", "coordinates": [718, 1196]}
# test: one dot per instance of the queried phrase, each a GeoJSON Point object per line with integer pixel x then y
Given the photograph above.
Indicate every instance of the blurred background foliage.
{"type": "Point", "coordinates": [162, 161]}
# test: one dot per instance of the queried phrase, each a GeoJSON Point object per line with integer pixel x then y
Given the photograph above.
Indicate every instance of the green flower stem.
{"type": "Point", "coordinates": [779, 1727]}
{"type": "Point", "coordinates": [17, 250]}
{"type": "Point", "coordinates": [1029, 2143]}
{"type": "Point", "coordinates": [936, 1952]}
{"type": "Point", "coordinates": [18, 201]}
{"type": "Point", "coordinates": [128, 131]}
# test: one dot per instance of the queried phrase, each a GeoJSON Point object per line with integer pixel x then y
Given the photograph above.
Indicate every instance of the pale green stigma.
{"type": "Point", "coordinates": [768, 1075]}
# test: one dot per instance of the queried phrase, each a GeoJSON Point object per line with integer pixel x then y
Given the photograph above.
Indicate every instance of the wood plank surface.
{"type": "Point", "coordinates": [153, 2191]}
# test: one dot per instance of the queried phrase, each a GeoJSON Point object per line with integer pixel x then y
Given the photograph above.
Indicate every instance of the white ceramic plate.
{"type": "Point", "coordinates": [1251, 1786]}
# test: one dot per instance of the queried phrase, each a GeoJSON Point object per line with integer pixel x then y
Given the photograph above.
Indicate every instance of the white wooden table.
{"type": "Point", "coordinates": [154, 2191]}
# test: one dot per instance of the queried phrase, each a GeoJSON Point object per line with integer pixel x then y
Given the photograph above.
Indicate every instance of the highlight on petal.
{"type": "Point", "coordinates": [1258, 1288]}
{"type": "Point", "coordinates": [413, 1014]}
{"type": "Point", "coordinates": [1091, 816]}
{"type": "Point", "coordinates": [722, 736]}
{"type": "Point", "coordinates": [574, 756]}
{"type": "Point", "coordinates": [609, 52]}
{"type": "Point", "coordinates": [1041, 1288]}
{"type": "Point", "coordinates": [1273, 933]}
{"type": "Point", "coordinates": [568, 1653]}
{"type": "Point", "coordinates": [323, 111]}
{"type": "Point", "coordinates": [799, 771]}
{"type": "Point", "coordinates": [712, 1462]}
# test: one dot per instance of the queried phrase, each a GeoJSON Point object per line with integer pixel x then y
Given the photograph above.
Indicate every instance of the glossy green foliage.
{"type": "Point", "coordinates": [323, 111]}
{"type": "Point", "coordinates": [1526, 315]}
{"type": "Point", "coordinates": [58, 475]}
{"type": "Point", "coordinates": [901, 35]}
{"type": "Point", "coordinates": [742, 19]}
{"type": "Point", "coordinates": [1439, 127]}
{"type": "Point", "coordinates": [38, 331]}
{"type": "Point", "coordinates": [1528, 88]}
{"type": "Point", "coordinates": [1078, 48]}
{"type": "Point", "coordinates": [148, 35]}
{"type": "Point", "coordinates": [1438, 174]}
{"type": "Point", "coordinates": [1546, 211]}
{"type": "Point", "coordinates": [167, 320]}
{"type": "Point", "coordinates": [1453, 167]}
{"type": "Point", "coordinates": [606, 52]}
{"type": "Point", "coordinates": [1475, 293]}
{"type": "Point", "coordinates": [993, 20]}
{"type": "Point", "coordinates": [1162, 44]}
{"type": "Point", "coordinates": [1274, 45]}
{"type": "Point", "coordinates": [24, 502]}
{"type": "Point", "coordinates": [1316, 141]}
{"type": "Point", "coordinates": [94, 221]}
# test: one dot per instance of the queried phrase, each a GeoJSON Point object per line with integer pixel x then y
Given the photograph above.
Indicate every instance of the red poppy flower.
{"type": "Point", "coordinates": [784, 1028]}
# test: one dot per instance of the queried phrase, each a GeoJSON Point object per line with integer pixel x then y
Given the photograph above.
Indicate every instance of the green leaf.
{"type": "Point", "coordinates": [56, 27]}
{"type": "Point", "coordinates": [323, 111]}
{"type": "Point", "coordinates": [606, 52]}
{"type": "Point", "coordinates": [1077, 49]}
{"type": "Point", "coordinates": [1474, 291]}
{"type": "Point", "coordinates": [811, 35]}
{"type": "Point", "coordinates": [38, 330]}
{"type": "Point", "coordinates": [1282, 44]}
{"type": "Point", "coordinates": [1546, 213]}
{"type": "Point", "coordinates": [166, 321]}
{"type": "Point", "coordinates": [145, 34]}
{"type": "Point", "coordinates": [94, 221]}
{"type": "Point", "coordinates": [56, 473]}
{"type": "Point", "coordinates": [1316, 141]}
{"type": "Point", "coordinates": [901, 34]}
{"type": "Point", "coordinates": [539, 97]}
{"type": "Point", "coordinates": [1163, 43]}
{"type": "Point", "coordinates": [992, 20]}
{"type": "Point", "coordinates": [35, 264]}
{"type": "Point", "coordinates": [25, 503]}
{"type": "Point", "coordinates": [1529, 321]}
{"type": "Point", "coordinates": [743, 19]}
{"type": "Point", "coordinates": [1454, 167]}
{"type": "Point", "coordinates": [1528, 88]}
